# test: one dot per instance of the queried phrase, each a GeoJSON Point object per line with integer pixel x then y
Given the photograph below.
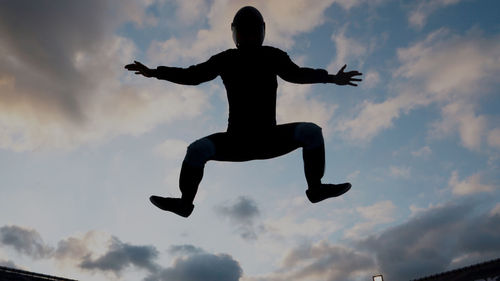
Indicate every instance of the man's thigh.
{"type": "Point", "coordinates": [266, 144]}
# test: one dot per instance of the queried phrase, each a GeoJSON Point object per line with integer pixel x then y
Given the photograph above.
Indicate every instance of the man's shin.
{"type": "Point", "coordinates": [189, 181]}
{"type": "Point", "coordinates": [314, 165]}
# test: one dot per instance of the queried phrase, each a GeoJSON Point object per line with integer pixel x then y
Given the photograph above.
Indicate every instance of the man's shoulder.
{"type": "Point", "coordinates": [223, 56]}
{"type": "Point", "coordinates": [267, 52]}
{"type": "Point", "coordinates": [227, 52]}
{"type": "Point", "coordinates": [265, 48]}
{"type": "Point", "coordinates": [272, 49]}
{"type": "Point", "coordinates": [275, 54]}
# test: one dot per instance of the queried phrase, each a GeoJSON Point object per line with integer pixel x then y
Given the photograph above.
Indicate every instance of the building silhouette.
{"type": "Point", "coordinates": [12, 274]}
{"type": "Point", "coordinates": [486, 271]}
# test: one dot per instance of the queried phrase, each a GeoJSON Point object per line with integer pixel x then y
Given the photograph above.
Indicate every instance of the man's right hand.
{"type": "Point", "coordinates": [140, 68]}
{"type": "Point", "coordinates": [345, 78]}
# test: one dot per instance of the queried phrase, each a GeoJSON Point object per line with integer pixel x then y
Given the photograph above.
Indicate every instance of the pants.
{"type": "Point", "coordinates": [253, 145]}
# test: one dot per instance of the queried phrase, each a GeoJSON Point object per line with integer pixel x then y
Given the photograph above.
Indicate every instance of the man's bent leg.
{"type": "Point", "coordinates": [313, 152]}
{"type": "Point", "coordinates": [198, 153]}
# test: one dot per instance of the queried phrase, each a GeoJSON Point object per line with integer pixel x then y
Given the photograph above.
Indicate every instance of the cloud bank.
{"type": "Point", "coordinates": [429, 74]}
{"type": "Point", "coordinates": [25, 241]}
{"type": "Point", "coordinates": [62, 84]}
{"type": "Point", "coordinates": [85, 254]}
{"type": "Point", "coordinates": [62, 81]}
{"type": "Point", "coordinates": [436, 239]}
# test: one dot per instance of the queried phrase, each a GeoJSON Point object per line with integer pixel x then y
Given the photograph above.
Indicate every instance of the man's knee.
{"type": "Point", "coordinates": [309, 135]}
{"type": "Point", "coordinates": [199, 152]}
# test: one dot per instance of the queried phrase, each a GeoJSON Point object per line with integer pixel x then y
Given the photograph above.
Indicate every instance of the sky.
{"type": "Point", "coordinates": [84, 143]}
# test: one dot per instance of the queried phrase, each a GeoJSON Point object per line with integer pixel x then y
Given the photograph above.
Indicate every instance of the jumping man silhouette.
{"type": "Point", "coordinates": [249, 74]}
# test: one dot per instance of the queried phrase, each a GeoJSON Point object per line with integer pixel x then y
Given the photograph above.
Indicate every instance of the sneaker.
{"type": "Point", "coordinates": [325, 191]}
{"type": "Point", "coordinates": [174, 205]}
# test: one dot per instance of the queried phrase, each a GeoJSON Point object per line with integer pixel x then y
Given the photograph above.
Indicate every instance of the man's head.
{"type": "Point", "coordinates": [248, 28]}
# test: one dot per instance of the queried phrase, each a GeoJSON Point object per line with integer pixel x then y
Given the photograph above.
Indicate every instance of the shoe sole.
{"type": "Point", "coordinates": [315, 198]}
{"type": "Point", "coordinates": [164, 208]}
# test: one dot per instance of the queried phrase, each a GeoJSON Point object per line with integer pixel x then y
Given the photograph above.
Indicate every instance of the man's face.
{"type": "Point", "coordinates": [248, 36]}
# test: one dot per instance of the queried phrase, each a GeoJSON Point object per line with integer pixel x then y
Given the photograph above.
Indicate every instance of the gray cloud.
{"type": "Point", "coordinates": [185, 250]}
{"type": "Point", "coordinates": [441, 238]}
{"type": "Point", "coordinates": [326, 262]}
{"type": "Point", "coordinates": [122, 255]}
{"type": "Point", "coordinates": [244, 210]}
{"type": "Point", "coordinates": [72, 248]}
{"type": "Point", "coordinates": [430, 242]}
{"type": "Point", "coordinates": [438, 239]}
{"type": "Point", "coordinates": [484, 239]}
{"type": "Point", "coordinates": [41, 40]}
{"type": "Point", "coordinates": [24, 241]}
{"type": "Point", "coordinates": [62, 81]}
{"type": "Point", "coordinates": [243, 213]}
{"type": "Point", "coordinates": [206, 267]}
{"type": "Point", "coordinates": [191, 263]}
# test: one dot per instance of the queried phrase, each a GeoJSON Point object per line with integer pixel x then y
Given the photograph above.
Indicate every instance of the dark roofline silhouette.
{"type": "Point", "coordinates": [12, 274]}
{"type": "Point", "coordinates": [492, 264]}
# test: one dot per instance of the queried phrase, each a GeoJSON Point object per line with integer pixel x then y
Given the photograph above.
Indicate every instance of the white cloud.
{"type": "Point", "coordinates": [348, 50]}
{"type": "Point", "coordinates": [416, 210]}
{"type": "Point", "coordinates": [73, 249]}
{"type": "Point", "coordinates": [470, 185]}
{"type": "Point", "coordinates": [191, 11]}
{"type": "Point", "coordinates": [375, 117]}
{"type": "Point", "coordinates": [419, 15]}
{"type": "Point", "coordinates": [284, 19]}
{"type": "Point", "coordinates": [431, 73]}
{"type": "Point", "coordinates": [379, 213]}
{"type": "Point", "coordinates": [462, 118]}
{"type": "Point", "coordinates": [371, 79]}
{"type": "Point", "coordinates": [295, 104]}
{"type": "Point", "coordinates": [348, 4]}
{"type": "Point", "coordinates": [422, 152]}
{"type": "Point", "coordinates": [399, 172]}
{"type": "Point", "coordinates": [434, 62]}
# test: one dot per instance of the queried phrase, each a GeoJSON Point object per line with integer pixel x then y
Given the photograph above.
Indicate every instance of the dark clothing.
{"type": "Point", "coordinates": [270, 143]}
{"type": "Point", "coordinates": [250, 80]}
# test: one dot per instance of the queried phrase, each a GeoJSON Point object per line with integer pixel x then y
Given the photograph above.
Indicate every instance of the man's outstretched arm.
{"type": "Point", "coordinates": [304, 75]}
{"type": "Point", "coordinates": [291, 72]}
{"type": "Point", "coordinates": [344, 78]}
{"type": "Point", "coordinates": [192, 75]}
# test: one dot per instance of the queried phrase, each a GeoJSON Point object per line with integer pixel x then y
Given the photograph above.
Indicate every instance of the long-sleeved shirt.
{"type": "Point", "coordinates": [250, 78]}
